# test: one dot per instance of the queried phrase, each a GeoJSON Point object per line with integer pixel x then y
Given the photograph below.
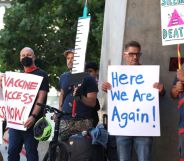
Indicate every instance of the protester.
{"type": "Point", "coordinates": [177, 92]}
{"type": "Point", "coordinates": [81, 99]}
{"type": "Point", "coordinates": [92, 69]}
{"type": "Point", "coordinates": [142, 144]}
{"type": "Point", "coordinates": [17, 137]}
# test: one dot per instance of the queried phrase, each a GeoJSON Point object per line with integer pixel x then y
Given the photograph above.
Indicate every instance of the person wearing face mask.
{"type": "Point", "coordinates": [17, 137]}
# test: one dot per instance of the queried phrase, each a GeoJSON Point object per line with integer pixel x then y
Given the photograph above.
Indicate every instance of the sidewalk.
{"type": "Point", "coordinates": [41, 149]}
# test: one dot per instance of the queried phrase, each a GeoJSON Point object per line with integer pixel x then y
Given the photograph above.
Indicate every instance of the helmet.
{"type": "Point", "coordinates": [42, 129]}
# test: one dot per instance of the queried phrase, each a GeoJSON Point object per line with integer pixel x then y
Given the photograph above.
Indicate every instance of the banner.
{"type": "Point", "coordinates": [172, 22]}
{"type": "Point", "coordinates": [133, 103]}
{"type": "Point", "coordinates": [19, 91]}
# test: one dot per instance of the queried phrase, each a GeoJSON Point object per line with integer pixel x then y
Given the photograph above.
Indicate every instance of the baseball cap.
{"type": "Point", "coordinates": [69, 51]}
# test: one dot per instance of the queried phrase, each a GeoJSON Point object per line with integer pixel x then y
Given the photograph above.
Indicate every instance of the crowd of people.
{"type": "Point", "coordinates": [84, 97]}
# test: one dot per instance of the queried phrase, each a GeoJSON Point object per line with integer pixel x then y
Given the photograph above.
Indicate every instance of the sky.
{"type": "Point", "coordinates": [2, 11]}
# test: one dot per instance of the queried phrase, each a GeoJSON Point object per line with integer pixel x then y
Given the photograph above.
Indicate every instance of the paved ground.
{"type": "Point", "coordinates": [42, 149]}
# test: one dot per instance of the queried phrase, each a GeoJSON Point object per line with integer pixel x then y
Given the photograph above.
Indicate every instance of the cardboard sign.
{"type": "Point", "coordinates": [172, 20]}
{"type": "Point", "coordinates": [133, 103]}
{"type": "Point", "coordinates": [19, 92]}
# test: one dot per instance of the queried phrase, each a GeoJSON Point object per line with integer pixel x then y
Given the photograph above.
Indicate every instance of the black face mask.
{"type": "Point", "coordinates": [27, 61]}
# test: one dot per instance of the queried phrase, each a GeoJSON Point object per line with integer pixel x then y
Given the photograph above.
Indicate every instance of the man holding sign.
{"type": "Point", "coordinates": [177, 92]}
{"type": "Point", "coordinates": [18, 137]}
{"type": "Point", "coordinates": [125, 143]}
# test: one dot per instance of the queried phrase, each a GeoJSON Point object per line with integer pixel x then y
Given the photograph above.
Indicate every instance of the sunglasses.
{"type": "Point", "coordinates": [133, 54]}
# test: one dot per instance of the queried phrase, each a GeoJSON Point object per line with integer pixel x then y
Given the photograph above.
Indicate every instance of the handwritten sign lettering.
{"type": "Point", "coordinates": [133, 108]}
{"type": "Point", "coordinates": [172, 19]}
{"type": "Point", "coordinates": [19, 91]}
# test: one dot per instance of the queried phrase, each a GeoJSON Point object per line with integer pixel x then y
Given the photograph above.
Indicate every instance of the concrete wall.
{"type": "Point", "coordinates": [143, 23]}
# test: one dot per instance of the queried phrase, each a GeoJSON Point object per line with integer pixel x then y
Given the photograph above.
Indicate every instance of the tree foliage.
{"type": "Point", "coordinates": [49, 27]}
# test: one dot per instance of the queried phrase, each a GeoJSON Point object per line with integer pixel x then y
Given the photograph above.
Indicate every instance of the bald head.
{"type": "Point", "coordinates": [27, 53]}
{"type": "Point", "coordinates": [27, 49]}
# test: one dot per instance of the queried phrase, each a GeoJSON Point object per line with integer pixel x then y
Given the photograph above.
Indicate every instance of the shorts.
{"type": "Point", "coordinates": [71, 127]}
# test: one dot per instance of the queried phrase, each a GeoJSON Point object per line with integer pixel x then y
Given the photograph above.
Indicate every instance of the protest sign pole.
{"type": "Point", "coordinates": [179, 56]}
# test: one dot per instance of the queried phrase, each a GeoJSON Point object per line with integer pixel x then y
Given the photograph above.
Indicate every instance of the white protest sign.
{"type": "Point", "coordinates": [1, 132]}
{"type": "Point", "coordinates": [2, 106]}
{"type": "Point", "coordinates": [172, 22]}
{"type": "Point", "coordinates": [20, 91]}
{"type": "Point", "coordinates": [133, 103]}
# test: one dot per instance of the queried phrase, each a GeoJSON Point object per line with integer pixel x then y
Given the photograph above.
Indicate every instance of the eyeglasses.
{"type": "Point", "coordinates": [132, 54]}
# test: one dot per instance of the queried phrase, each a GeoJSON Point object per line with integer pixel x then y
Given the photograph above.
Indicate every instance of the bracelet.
{"type": "Point", "coordinates": [34, 116]}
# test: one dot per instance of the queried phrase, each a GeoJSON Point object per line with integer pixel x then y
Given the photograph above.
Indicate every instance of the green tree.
{"type": "Point", "coordinates": [49, 27]}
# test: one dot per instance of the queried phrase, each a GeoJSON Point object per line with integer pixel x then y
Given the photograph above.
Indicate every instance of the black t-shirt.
{"type": "Point", "coordinates": [44, 86]}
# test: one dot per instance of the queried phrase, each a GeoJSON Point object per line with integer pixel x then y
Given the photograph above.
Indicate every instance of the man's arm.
{"type": "Point", "coordinates": [36, 109]}
{"type": "Point", "coordinates": [61, 96]}
{"type": "Point", "coordinates": [90, 99]}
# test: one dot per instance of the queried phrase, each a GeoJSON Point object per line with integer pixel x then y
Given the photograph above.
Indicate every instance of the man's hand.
{"type": "Point", "coordinates": [159, 86]}
{"type": "Point", "coordinates": [106, 86]}
{"type": "Point", "coordinates": [179, 86]}
{"type": "Point", "coordinates": [30, 121]}
{"type": "Point", "coordinates": [180, 75]}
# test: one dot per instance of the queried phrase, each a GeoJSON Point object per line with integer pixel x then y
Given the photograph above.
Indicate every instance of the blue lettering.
{"type": "Point", "coordinates": [117, 95]}
{"type": "Point", "coordinates": [123, 77]}
{"type": "Point", "coordinates": [124, 118]}
{"type": "Point", "coordinates": [114, 78]}
{"type": "Point", "coordinates": [144, 115]}
{"type": "Point", "coordinates": [132, 116]}
{"type": "Point", "coordinates": [139, 79]}
{"type": "Point", "coordinates": [141, 96]}
{"type": "Point", "coordinates": [149, 97]}
{"type": "Point", "coordinates": [137, 95]}
{"type": "Point", "coordinates": [115, 114]}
